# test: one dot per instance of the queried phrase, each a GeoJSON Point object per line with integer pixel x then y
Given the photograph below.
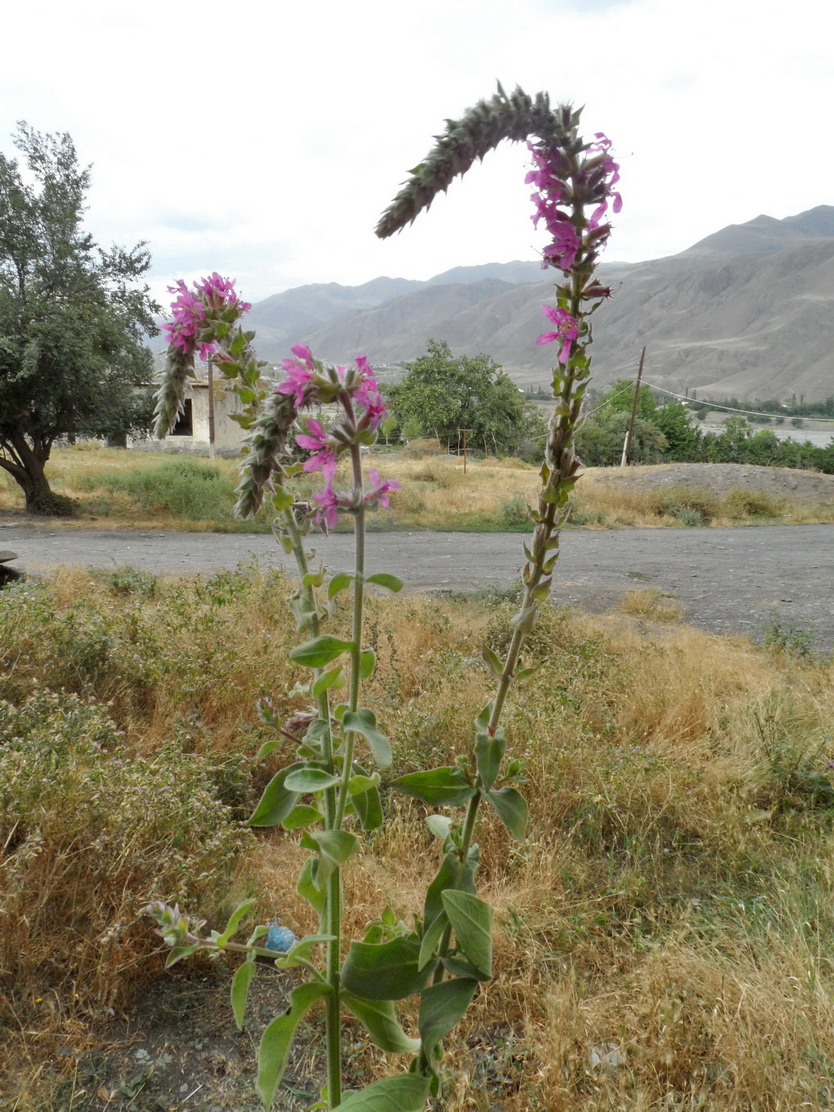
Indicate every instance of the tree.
{"type": "Point", "coordinates": [72, 318]}
{"type": "Point", "coordinates": [441, 394]}
{"type": "Point", "coordinates": [682, 437]}
{"type": "Point", "coordinates": [619, 398]}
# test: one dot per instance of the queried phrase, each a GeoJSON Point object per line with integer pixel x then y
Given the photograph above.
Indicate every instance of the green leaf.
{"type": "Point", "coordinates": [307, 888]}
{"type": "Point", "coordinates": [367, 663]}
{"type": "Point", "coordinates": [281, 499]}
{"type": "Point", "coordinates": [310, 780]}
{"type": "Point", "coordinates": [542, 591]}
{"type": "Point", "coordinates": [177, 953]}
{"type": "Point", "coordinates": [407, 1092]}
{"type": "Point", "coordinates": [379, 1018]}
{"type": "Point", "coordinates": [301, 950]}
{"type": "Point", "coordinates": [266, 749]}
{"type": "Point", "coordinates": [335, 847]}
{"type": "Point", "coordinates": [489, 752]}
{"type": "Point", "coordinates": [360, 782]}
{"type": "Point", "coordinates": [456, 965]}
{"type": "Point", "coordinates": [385, 970]}
{"type": "Point", "coordinates": [440, 826]}
{"type": "Point", "coordinates": [302, 816]}
{"type": "Point", "coordinates": [363, 722]}
{"type": "Point", "coordinates": [448, 876]}
{"type": "Point", "coordinates": [482, 721]}
{"type": "Point", "coordinates": [333, 677]}
{"type": "Point", "coordinates": [234, 921]}
{"type": "Point", "coordinates": [313, 578]}
{"type": "Point", "coordinates": [382, 579]}
{"type": "Point", "coordinates": [367, 804]}
{"type": "Point", "coordinates": [447, 787]}
{"type": "Point", "coordinates": [340, 582]}
{"type": "Point", "coordinates": [277, 801]}
{"type": "Point", "coordinates": [240, 990]}
{"type": "Point", "coordinates": [430, 939]}
{"type": "Point", "coordinates": [492, 661]}
{"type": "Point", "coordinates": [511, 808]}
{"type": "Point", "coordinates": [525, 673]}
{"type": "Point", "coordinates": [441, 1008]}
{"type": "Point", "coordinates": [471, 920]}
{"type": "Point", "coordinates": [524, 620]}
{"type": "Point", "coordinates": [277, 1038]}
{"type": "Point", "coordinates": [320, 651]}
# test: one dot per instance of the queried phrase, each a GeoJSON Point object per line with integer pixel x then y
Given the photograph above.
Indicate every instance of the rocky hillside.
{"type": "Point", "coordinates": [747, 311]}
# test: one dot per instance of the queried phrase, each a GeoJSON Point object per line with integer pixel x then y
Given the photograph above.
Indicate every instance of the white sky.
{"type": "Point", "coordinates": [264, 142]}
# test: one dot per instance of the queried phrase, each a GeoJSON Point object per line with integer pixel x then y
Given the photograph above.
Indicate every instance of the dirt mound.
{"type": "Point", "coordinates": [804, 486]}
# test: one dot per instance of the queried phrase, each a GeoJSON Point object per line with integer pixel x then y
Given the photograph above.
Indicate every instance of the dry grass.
{"type": "Point", "coordinates": [652, 605]}
{"type": "Point", "coordinates": [663, 938]}
{"type": "Point", "coordinates": [436, 494]}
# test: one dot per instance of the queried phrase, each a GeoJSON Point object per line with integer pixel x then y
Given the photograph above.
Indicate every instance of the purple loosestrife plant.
{"type": "Point", "coordinates": [331, 790]}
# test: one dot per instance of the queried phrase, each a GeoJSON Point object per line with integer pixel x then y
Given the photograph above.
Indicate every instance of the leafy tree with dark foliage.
{"type": "Point", "coordinates": [442, 393]}
{"type": "Point", "coordinates": [72, 318]}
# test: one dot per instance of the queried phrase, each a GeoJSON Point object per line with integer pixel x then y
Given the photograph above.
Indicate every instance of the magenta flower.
{"type": "Point", "coordinates": [328, 511]}
{"type": "Point", "coordinates": [297, 381]}
{"type": "Point", "coordinates": [379, 490]}
{"type": "Point", "coordinates": [302, 352]}
{"type": "Point", "coordinates": [219, 293]}
{"type": "Point", "coordinates": [315, 440]}
{"type": "Point", "coordinates": [563, 250]}
{"type": "Point", "coordinates": [189, 315]}
{"type": "Point", "coordinates": [368, 396]}
{"type": "Point", "coordinates": [567, 331]}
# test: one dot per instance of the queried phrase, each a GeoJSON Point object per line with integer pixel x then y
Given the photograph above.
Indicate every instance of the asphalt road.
{"type": "Point", "coordinates": [729, 580]}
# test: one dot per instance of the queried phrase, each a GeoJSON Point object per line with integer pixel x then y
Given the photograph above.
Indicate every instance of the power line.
{"type": "Point", "coordinates": [728, 408]}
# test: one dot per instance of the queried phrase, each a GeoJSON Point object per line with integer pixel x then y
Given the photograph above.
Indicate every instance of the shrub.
{"type": "Point", "coordinates": [750, 503]}
{"type": "Point", "coordinates": [182, 487]}
{"type": "Point", "coordinates": [688, 505]}
{"type": "Point", "coordinates": [514, 514]}
{"type": "Point", "coordinates": [92, 832]}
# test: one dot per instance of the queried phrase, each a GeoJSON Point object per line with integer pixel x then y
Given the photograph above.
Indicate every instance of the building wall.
{"type": "Point", "coordinates": [228, 435]}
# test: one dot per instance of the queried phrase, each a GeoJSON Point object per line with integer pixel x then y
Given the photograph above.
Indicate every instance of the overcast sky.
{"type": "Point", "coordinates": [264, 142]}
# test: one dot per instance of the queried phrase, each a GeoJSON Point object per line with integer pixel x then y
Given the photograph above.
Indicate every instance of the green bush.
{"type": "Point", "coordinates": [181, 487]}
{"type": "Point", "coordinates": [513, 513]}
{"type": "Point", "coordinates": [751, 503]}
{"type": "Point", "coordinates": [688, 505]}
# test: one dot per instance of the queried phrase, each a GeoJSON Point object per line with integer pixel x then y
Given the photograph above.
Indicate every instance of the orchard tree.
{"type": "Point", "coordinates": [72, 318]}
{"type": "Point", "coordinates": [442, 393]}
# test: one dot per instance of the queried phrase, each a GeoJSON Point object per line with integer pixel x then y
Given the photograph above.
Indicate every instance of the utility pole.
{"type": "Point", "coordinates": [627, 443]}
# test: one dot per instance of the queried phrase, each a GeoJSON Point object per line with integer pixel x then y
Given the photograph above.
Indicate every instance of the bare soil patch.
{"type": "Point", "coordinates": [720, 478]}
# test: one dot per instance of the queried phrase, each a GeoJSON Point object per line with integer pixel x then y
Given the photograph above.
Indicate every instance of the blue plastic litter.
{"type": "Point", "coordinates": [280, 939]}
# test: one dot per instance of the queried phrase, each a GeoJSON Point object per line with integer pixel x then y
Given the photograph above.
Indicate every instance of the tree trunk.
{"type": "Point", "coordinates": [27, 467]}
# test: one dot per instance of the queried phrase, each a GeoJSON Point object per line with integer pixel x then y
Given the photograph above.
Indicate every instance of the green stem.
{"type": "Point", "coordinates": [549, 526]}
{"type": "Point", "coordinates": [358, 619]}
{"type": "Point", "coordinates": [331, 919]}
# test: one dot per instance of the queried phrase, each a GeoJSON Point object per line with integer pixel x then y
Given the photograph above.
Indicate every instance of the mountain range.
{"type": "Point", "coordinates": [747, 311]}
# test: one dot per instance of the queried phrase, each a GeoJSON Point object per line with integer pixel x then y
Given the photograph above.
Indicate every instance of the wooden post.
{"type": "Point", "coordinates": [464, 431]}
{"type": "Point", "coordinates": [627, 443]}
{"type": "Point", "coordinates": [211, 408]}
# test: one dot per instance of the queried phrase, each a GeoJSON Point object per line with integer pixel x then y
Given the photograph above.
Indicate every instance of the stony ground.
{"type": "Point", "coordinates": [806, 486]}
